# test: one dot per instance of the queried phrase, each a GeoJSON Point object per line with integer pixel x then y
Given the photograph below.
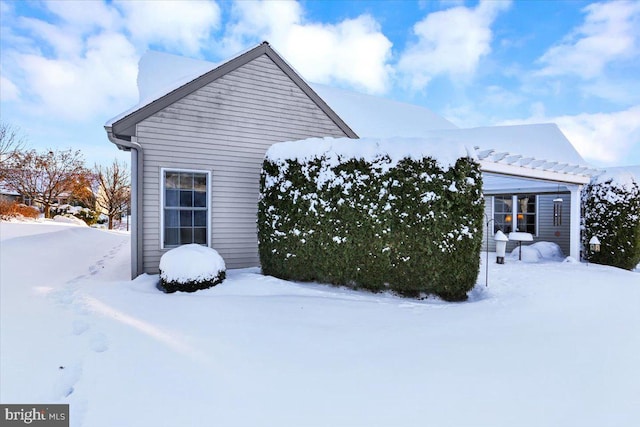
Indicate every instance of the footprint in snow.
{"type": "Point", "coordinates": [99, 343]}
{"type": "Point", "coordinates": [69, 376]}
{"type": "Point", "coordinates": [79, 327]}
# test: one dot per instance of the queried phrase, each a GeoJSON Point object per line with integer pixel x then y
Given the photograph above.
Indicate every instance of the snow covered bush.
{"type": "Point", "coordinates": [395, 214]}
{"type": "Point", "coordinates": [611, 204]}
{"type": "Point", "coordinates": [9, 210]}
{"type": "Point", "coordinates": [87, 215]}
{"type": "Point", "coordinates": [189, 268]}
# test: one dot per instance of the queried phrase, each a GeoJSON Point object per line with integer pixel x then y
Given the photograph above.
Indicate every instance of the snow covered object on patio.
{"type": "Point", "coordinates": [189, 268]}
{"type": "Point", "coordinates": [538, 252]}
{"type": "Point", "coordinates": [403, 214]}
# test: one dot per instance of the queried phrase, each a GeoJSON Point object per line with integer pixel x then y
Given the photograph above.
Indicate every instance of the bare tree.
{"type": "Point", "coordinates": [11, 142]}
{"type": "Point", "coordinates": [46, 177]}
{"type": "Point", "coordinates": [113, 189]}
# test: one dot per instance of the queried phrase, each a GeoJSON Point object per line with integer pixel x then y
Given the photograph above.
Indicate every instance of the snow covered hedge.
{"type": "Point", "coordinates": [189, 268]}
{"type": "Point", "coordinates": [374, 214]}
{"type": "Point", "coordinates": [611, 206]}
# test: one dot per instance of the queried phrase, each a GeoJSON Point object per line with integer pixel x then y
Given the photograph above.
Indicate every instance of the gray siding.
{"type": "Point", "coordinates": [546, 231]}
{"type": "Point", "coordinates": [225, 127]}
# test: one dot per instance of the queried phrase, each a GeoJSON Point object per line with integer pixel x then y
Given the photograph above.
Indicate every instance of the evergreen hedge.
{"type": "Point", "coordinates": [612, 213]}
{"type": "Point", "coordinates": [412, 227]}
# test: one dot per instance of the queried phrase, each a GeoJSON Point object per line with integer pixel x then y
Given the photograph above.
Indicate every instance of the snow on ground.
{"type": "Point", "coordinates": [545, 344]}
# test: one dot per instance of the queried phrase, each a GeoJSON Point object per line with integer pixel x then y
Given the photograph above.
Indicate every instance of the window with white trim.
{"type": "Point", "coordinates": [185, 210]}
{"type": "Point", "coordinates": [515, 213]}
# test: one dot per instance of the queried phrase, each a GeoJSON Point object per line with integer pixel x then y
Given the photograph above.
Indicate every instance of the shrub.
{"type": "Point", "coordinates": [189, 268]}
{"type": "Point", "coordinates": [89, 216]}
{"type": "Point", "coordinates": [371, 215]}
{"type": "Point", "coordinates": [612, 213]}
{"type": "Point", "coordinates": [10, 210]}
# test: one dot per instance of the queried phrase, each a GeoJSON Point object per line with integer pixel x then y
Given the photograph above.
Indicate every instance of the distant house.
{"type": "Point", "coordinates": [11, 196]}
{"type": "Point", "coordinates": [200, 132]}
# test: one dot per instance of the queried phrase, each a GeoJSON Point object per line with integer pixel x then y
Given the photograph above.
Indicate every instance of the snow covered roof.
{"type": "Point", "coordinates": [374, 116]}
{"type": "Point", "coordinates": [6, 191]}
{"type": "Point", "coordinates": [163, 78]}
{"type": "Point", "coordinates": [522, 149]}
{"type": "Point", "coordinates": [160, 74]}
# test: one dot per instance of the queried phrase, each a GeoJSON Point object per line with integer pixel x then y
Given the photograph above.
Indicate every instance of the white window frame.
{"type": "Point", "coordinates": [514, 210]}
{"type": "Point", "coordinates": [163, 171]}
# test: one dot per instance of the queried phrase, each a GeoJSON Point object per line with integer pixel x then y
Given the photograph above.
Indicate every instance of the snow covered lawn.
{"type": "Point", "coordinates": [547, 344]}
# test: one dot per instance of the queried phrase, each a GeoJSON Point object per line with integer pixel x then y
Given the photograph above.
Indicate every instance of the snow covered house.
{"type": "Point", "coordinates": [200, 131]}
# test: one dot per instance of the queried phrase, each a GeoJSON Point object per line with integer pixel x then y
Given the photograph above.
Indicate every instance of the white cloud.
{"type": "Point", "coordinates": [81, 62]}
{"type": "Point", "coordinates": [450, 42]}
{"type": "Point", "coordinates": [8, 90]}
{"type": "Point", "coordinates": [63, 40]}
{"type": "Point", "coordinates": [81, 87]}
{"type": "Point", "coordinates": [353, 51]}
{"type": "Point", "coordinates": [609, 33]}
{"type": "Point", "coordinates": [81, 16]}
{"type": "Point", "coordinates": [179, 25]}
{"type": "Point", "coordinates": [602, 138]}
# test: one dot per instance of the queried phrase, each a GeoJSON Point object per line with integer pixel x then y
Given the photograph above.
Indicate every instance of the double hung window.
{"type": "Point", "coordinates": [185, 210]}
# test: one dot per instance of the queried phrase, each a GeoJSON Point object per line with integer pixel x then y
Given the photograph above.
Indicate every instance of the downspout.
{"type": "Point", "coordinates": [136, 198]}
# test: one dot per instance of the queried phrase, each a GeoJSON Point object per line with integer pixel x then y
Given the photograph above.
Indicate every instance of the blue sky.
{"type": "Point", "coordinates": [67, 67]}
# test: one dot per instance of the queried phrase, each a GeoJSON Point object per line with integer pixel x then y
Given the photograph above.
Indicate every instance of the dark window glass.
{"type": "Point", "coordinates": [186, 218]}
{"type": "Point", "coordinates": [200, 199]}
{"type": "Point", "coordinates": [186, 199]}
{"type": "Point", "coordinates": [171, 197]}
{"type": "Point", "coordinates": [171, 218]}
{"type": "Point", "coordinates": [186, 236]}
{"type": "Point", "coordinates": [200, 218]}
{"type": "Point", "coordinates": [200, 235]}
{"type": "Point", "coordinates": [171, 236]}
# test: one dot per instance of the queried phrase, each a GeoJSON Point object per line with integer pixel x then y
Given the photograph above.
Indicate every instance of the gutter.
{"type": "Point", "coordinates": [136, 197]}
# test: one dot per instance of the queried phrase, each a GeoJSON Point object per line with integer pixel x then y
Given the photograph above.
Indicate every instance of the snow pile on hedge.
{"type": "Point", "coordinates": [445, 152]}
{"type": "Point", "coordinates": [189, 268]}
{"type": "Point", "coordinates": [403, 214]}
{"type": "Point", "coordinates": [538, 252]}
